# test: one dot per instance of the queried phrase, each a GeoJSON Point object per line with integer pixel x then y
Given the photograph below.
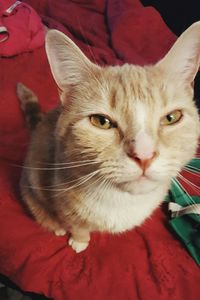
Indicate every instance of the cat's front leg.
{"type": "Point", "coordinates": [79, 239]}
{"type": "Point", "coordinates": [60, 232]}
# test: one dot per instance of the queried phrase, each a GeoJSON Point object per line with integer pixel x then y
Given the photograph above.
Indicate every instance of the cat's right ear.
{"type": "Point", "coordinates": [68, 64]}
{"type": "Point", "coordinates": [182, 62]}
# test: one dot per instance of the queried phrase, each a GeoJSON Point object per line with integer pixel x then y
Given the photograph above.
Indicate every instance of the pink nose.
{"type": "Point", "coordinates": [143, 163]}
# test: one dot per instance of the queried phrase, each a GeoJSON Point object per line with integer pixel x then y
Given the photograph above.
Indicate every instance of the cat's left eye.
{"type": "Point", "coordinates": [172, 117]}
{"type": "Point", "coordinates": [101, 121]}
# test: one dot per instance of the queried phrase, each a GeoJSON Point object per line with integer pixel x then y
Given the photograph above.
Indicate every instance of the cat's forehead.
{"type": "Point", "coordinates": [133, 79]}
{"type": "Point", "coordinates": [134, 91]}
{"type": "Point", "coordinates": [138, 96]}
{"type": "Point", "coordinates": [128, 92]}
{"type": "Point", "coordinates": [133, 88]}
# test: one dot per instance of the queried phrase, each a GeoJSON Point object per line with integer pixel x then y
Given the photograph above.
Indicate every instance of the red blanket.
{"type": "Point", "coordinates": [146, 263]}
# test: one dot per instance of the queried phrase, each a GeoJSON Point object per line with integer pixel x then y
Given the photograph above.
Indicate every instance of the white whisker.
{"type": "Point", "coordinates": [82, 181]}
{"type": "Point", "coordinates": [192, 202]}
{"type": "Point", "coordinates": [69, 163]}
{"type": "Point", "coordinates": [47, 188]}
{"type": "Point", "coordinates": [191, 168]}
{"type": "Point", "coordinates": [55, 168]}
{"type": "Point", "coordinates": [85, 40]}
{"type": "Point", "coordinates": [194, 186]}
{"type": "Point", "coordinates": [182, 189]}
{"type": "Point", "coordinates": [190, 172]}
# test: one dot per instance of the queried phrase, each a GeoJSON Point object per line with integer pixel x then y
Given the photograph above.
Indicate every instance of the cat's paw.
{"type": "Point", "coordinates": [77, 246]}
{"type": "Point", "coordinates": [60, 232]}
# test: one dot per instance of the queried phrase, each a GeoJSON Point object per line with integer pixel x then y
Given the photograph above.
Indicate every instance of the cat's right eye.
{"type": "Point", "coordinates": [101, 121]}
{"type": "Point", "coordinates": [172, 118]}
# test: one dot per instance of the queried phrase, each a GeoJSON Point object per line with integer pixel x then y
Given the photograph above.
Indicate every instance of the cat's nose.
{"type": "Point", "coordinates": [143, 162]}
{"type": "Point", "coordinates": [142, 149]}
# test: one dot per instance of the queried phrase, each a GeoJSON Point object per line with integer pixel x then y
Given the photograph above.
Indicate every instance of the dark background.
{"type": "Point", "coordinates": [178, 15]}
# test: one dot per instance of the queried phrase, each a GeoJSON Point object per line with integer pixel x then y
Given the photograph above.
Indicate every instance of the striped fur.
{"type": "Point", "coordinates": [80, 178]}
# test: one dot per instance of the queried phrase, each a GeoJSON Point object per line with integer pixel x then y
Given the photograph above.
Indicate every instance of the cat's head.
{"type": "Point", "coordinates": [139, 123]}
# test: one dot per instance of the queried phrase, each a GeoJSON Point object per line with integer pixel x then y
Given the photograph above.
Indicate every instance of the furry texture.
{"type": "Point", "coordinates": [79, 177]}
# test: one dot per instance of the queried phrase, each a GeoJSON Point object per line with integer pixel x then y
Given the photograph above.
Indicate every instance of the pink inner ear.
{"type": "Point", "coordinates": [183, 59]}
{"type": "Point", "coordinates": [144, 145]}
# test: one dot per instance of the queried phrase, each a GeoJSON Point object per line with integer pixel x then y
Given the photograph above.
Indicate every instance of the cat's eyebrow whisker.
{"type": "Point", "coordinates": [85, 40]}
{"type": "Point", "coordinates": [89, 71]}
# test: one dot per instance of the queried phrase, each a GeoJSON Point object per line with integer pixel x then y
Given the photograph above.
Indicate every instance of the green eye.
{"type": "Point", "coordinates": [172, 118]}
{"type": "Point", "coordinates": [101, 121]}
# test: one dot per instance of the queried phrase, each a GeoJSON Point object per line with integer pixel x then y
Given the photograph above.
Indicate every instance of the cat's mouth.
{"type": "Point", "coordinates": [142, 185]}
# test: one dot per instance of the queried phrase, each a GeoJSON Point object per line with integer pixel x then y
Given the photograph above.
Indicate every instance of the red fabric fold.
{"type": "Point", "coordinates": [138, 34]}
{"type": "Point", "coordinates": [23, 26]}
{"type": "Point", "coordinates": [145, 263]}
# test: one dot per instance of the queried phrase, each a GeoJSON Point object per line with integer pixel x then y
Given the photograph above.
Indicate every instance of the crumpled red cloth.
{"type": "Point", "coordinates": [21, 29]}
{"type": "Point", "coordinates": [146, 263]}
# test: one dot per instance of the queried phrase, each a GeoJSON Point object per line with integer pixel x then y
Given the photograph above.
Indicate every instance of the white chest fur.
{"type": "Point", "coordinates": [118, 211]}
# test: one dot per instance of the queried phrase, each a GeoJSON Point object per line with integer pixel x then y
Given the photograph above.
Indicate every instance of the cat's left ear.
{"type": "Point", "coordinates": [68, 64]}
{"type": "Point", "coordinates": [183, 59]}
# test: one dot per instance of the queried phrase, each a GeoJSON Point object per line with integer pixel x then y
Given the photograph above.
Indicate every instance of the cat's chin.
{"type": "Point", "coordinates": [142, 185]}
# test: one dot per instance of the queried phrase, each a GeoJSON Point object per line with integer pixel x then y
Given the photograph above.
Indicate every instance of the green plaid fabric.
{"type": "Point", "coordinates": [185, 213]}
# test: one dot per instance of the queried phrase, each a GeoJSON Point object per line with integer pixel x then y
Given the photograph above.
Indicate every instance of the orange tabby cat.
{"type": "Point", "coordinates": [103, 160]}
